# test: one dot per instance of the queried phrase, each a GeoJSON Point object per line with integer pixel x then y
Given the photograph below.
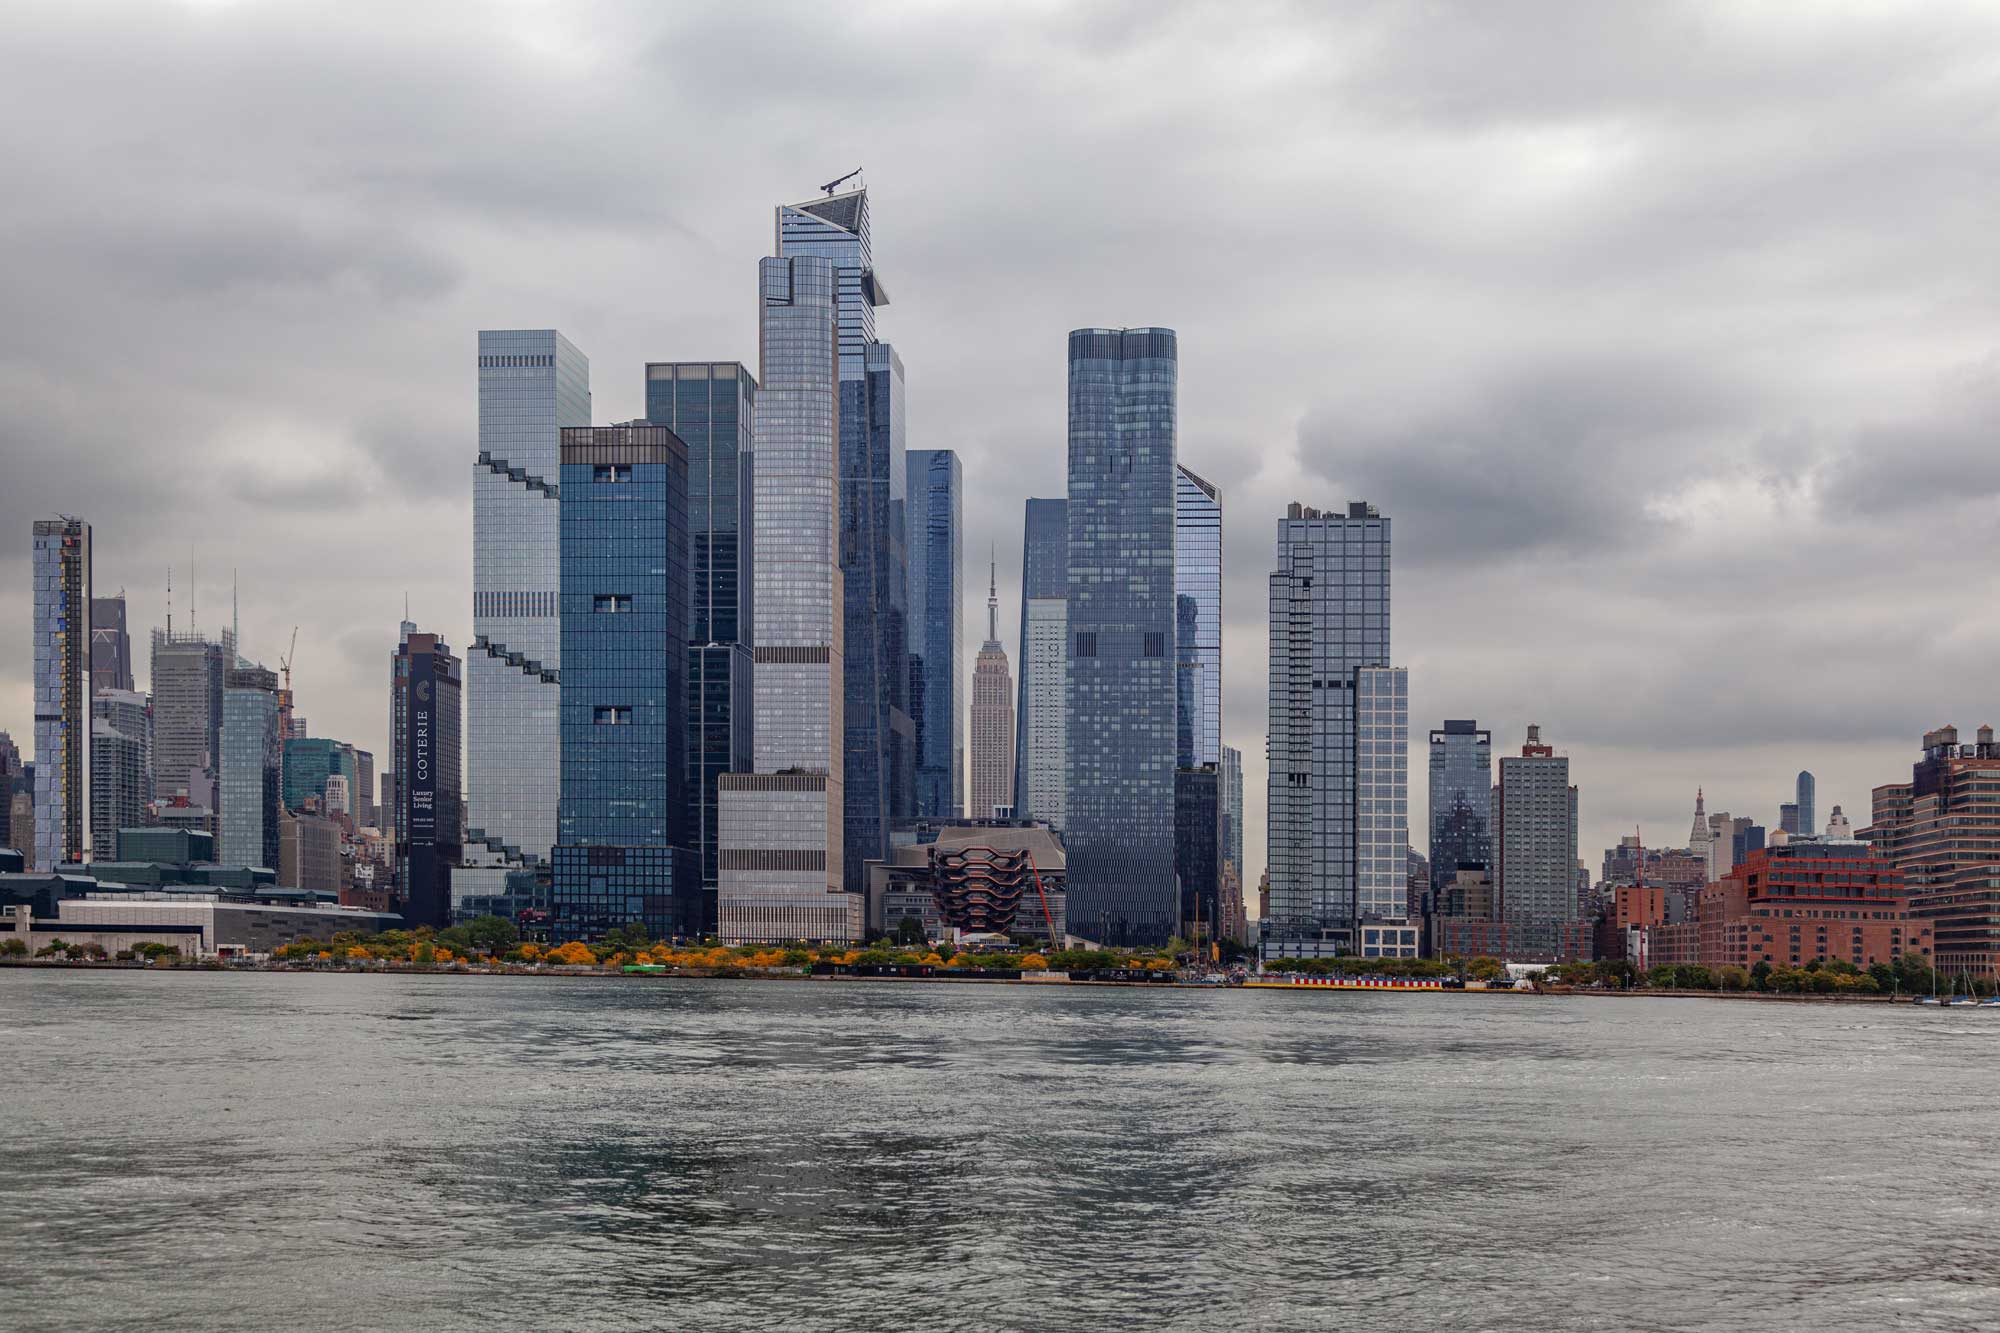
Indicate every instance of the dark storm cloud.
{"type": "Point", "coordinates": [1665, 333]}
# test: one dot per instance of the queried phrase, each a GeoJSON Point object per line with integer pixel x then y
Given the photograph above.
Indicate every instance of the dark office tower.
{"type": "Point", "coordinates": [1041, 748]}
{"type": "Point", "coordinates": [62, 691]}
{"type": "Point", "coordinates": [110, 645]}
{"type": "Point", "coordinates": [1338, 742]}
{"type": "Point", "coordinates": [12, 777]}
{"type": "Point", "coordinates": [1198, 855]}
{"type": "Point", "coordinates": [363, 795]}
{"type": "Point", "coordinates": [1788, 819]}
{"type": "Point", "coordinates": [1461, 801]}
{"type": "Point", "coordinates": [1198, 618]}
{"type": "Point", "coordinates": [121, 766]}
{"type": "Point", "coordinates": [187, 707]}
{"type": "Point", "coordinates": [1122, 625]}
{"type": "Point", "coordinates": [937, 656]}
{"type": "Point", "coordinates": [425, 748]}
{"type": "Point", "coordinates": [622, 852]}
{"type": "Point", "coordinates": [711, 406]}
{"type": "Point", "coordinates": [249, 780]}
{"type": "Point", "coordinates": [878, 741]}
{"type": "Point", "coordinates": [1808, 814]}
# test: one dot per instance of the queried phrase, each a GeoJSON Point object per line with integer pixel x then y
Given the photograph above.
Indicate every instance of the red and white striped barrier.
{"type": "Point", "coordinates": [1368, 983]}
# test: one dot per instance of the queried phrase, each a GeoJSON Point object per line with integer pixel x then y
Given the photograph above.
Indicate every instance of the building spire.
{"type": "Point", "coordinates": [993, 597]}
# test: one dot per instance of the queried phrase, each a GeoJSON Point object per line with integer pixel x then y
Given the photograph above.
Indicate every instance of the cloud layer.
{"type": "Point", "coordinates": [1666, 336]}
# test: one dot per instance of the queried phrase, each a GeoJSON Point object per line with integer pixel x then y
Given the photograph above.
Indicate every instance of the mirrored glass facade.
{"type": "Point", "coordinates": [532, 383]}
{"type": "Point", "coordinates": [879, 736]}
{"type": "Point", "coordinates": [1122, 629]}
{"type": "Point", "coordinates": [1461, 800]}
{"type": "Point", "coordinates": [62, 575]}
{"type": "Point", "coordinates": [1198, 618]}
{"type": "Point", "coordinates": [623, 852]}
{"type": "Point", "coordinates": [1041, 776]}
{"type": "Point", "coordinates": [937, 651]}
{"type": "Point", "coordinates": [248, 783]}
{"type": "Point", "coordinates": [711, 406]}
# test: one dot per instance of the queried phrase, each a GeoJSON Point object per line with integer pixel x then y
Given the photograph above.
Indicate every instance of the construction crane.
{"type": "Point", "coordinates": [833, 185]}
{"type": "Point", "coordinates": [285, 662]}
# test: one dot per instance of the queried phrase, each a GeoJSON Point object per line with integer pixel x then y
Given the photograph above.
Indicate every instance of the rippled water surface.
{"type": "Point", "coordinates": [257, 1151]}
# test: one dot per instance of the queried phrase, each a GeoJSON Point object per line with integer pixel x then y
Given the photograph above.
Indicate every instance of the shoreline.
{"type": "Point", "coordinates": [573, 973]}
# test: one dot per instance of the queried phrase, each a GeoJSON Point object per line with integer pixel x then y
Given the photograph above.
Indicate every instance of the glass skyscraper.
{"type": "Point", "coordinates": [121, 766]}
{"type": "Point", "coordinates": [1806, 800]}
{"type": "Point", "coordinates": [1232, 806]}
{"type": "Point", "coordinates": [937, 654]}
{"type": "Point", "coordinates": [1461, 801]}
{"type": "Point", "coordinates": [1122, 634]}
{"type": "Point", "coordinates": [1041, 782]}
{"type": "Point", "coordinates": [623, 853]}
{"type": "Point", "coordinates": [711, 407]}
{"type": "Point", "coordinates": [1198, 618]}
{"type": "Point", "coordinates": [309, 762]}
{"type": "Point", "coordinates": [110, 645]}
{"type": "Point", "coordinates": [1337, 793]}
{"type": "Point", "coordinates": [248, 781]}
{"type": "Point", "coordinates": [532, 383]}
{"type": "Point", "coordinates": [780, 826]}
{"type": "Point", "coordinates": [62, 691]}
{"type": "Point", "coordinates": [879, 735]}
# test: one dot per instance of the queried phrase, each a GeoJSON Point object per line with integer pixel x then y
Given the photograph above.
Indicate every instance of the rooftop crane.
{"type": "Point", "coordinates": [835, 184]}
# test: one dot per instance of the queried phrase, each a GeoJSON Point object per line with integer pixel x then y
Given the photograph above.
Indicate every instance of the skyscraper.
{"type": "Point", "coordinates": [1536, 835]}
{"type": "Point", "coordinates": [121, 766]}
{"type": "Point", "coordinates": [992, 715]}
{"type": "Point", "coordinates": [711, 408]}
{"type": "Point", "coordinates": [187, 680]}
{"type": "Point", "coordinates": [309, 762]}
{"type": "Point", "coordinates": [1041, 783]}
{"type": "Point", "coordinates": [425, 747]}
{"type": "Point", "coordinates": [1198, 860]}
{"type": "Point", "coordinates": [623, 854]}
{"type": "Point", "coordinates": [780, 826]}
{"type": "Point", "coordinates": [62, 691]}
{"type": "Point", "coordinates": [1337, 794]}
{"type": "Point", "coordinates": [110, 645]}
{"type": "Point", "coordinates": [1232, 808]}
{"type": "Point", "coordinates": [532, 383]}
{"type": "Point", "coordinates": [937, 654]}
{"type": "Point", "coordinates": [878, 732]}
{"type": "Point", "coordinates": [1461, 801]}
{"type": "Point", "coordinates": [248, 782]}
{"type": "Point", "coordinates": [1120, 691]}
{"type": "Point", "coordinates": [1805, 797]}
{"type": "Point", "coordinates": [1198, 618]}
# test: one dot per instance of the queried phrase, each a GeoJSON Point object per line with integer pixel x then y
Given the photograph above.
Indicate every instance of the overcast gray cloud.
{"type": "Point", "coordinates": [1665, 333]}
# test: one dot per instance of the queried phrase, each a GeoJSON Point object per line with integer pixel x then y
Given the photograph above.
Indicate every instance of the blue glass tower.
{"type": "Point", "coordinates": [1198, 618]}
{"type": "Point", "coordinates": [878, 740]}
{"type": "Point", "coordinates": [1461, 800]}
{"type": "Point", "coordinates": [937, 665]}
{"type": "Point", "coordinates": [711, 406]}
{"type": "Point", "coordinates": [1122, 626]}
{"type": "Point", "coordinates": [622, 853]}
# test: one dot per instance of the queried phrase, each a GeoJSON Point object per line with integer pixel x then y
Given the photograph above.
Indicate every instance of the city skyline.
{"type": "Point", "coordinates": [321, 372]}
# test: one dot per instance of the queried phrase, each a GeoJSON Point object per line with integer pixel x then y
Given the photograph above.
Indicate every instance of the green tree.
{"type": "Point", "coordinates": [910, 930]}
{"type": "Point", "coordinates": [14, 948]}
{"type": "Point", "coordinates": [1884, 976]}
{"type": "Point", "coordinates": [458, 939]}
{"type": "Point", "coordinates": [1760, 975]}
{"type": "Point", "coordinates": [1693, 976]}
{"type": "Point", "coordinates": [1484, 968]}
{"type": "Point", "coordinates": [493, 934]}
{"type": "Point", "coordinates": [1732, 978]}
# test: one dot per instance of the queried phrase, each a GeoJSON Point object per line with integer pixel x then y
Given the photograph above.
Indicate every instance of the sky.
{"type": "Point", "coordinates": [1665, 334]}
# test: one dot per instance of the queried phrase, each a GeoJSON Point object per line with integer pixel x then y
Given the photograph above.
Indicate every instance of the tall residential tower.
{"type": "Point", "coordinates": [937, 654]}
{"type": "Point", "coordinates": [1041, 783]}
{"type": "Point", "coordinates": [62, 692]}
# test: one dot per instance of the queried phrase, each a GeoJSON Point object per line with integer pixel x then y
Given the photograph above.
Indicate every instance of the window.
{"type": "Point", "coordinates": [611, 472]}
{"type": "Point", "coordinates": [1156, 644]}
{"type": "Point", "coordinates": [1086, 644]}
{"type": "Point", "coordinates": [611, 603]}
{"type": "Point", "coordinates": [613, 715]}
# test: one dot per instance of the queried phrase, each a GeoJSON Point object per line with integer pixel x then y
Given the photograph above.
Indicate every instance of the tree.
{"type": "Point", "coordinates": [1884, 975]}
{"type": "Point", "coordinates": [909, 930]}
{"type": "Point", "coordinates": [1484, 968]}
{"type": "Point", "coordinates": [1732, 978]}
{"type": "Point", "coordinates": [14, 948]}
{"type": "Point", "coordinates": [1760, 975]}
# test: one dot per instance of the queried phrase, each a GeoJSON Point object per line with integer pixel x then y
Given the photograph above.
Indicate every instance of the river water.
{"type": "Point", "coordinates": [256, 1151]}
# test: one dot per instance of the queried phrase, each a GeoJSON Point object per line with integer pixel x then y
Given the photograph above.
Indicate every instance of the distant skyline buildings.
{"type": "Point", "coordinates": [1120, 694]}
{"type": "Point", "coordinates": [532, 383]}
{"type": "Point", "coordinates": [1805, 796]}
{"type": "Point", "coordinates": [938, 700]}
{"type": "Point", "coordinates": [62, 688]}
{"type": "Point", "coordinates": [249, 792]}
{"type": "Point", "coordinates": [992, 716]}
{"type": "Point", "coordinates": [1461, 800]}
{"type": "Point", "coordinates": [1041, 750]}
{"type": "Point", "coordinates": [110, 645]}
{"type": "Point", "coordinates": [1197, 618]}
{"type": "Point", "coordinates": [121, 767]}
{"type": "Point", "coordinates": [1535, 876]}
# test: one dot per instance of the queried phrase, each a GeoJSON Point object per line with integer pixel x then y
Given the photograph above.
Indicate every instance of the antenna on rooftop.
{"type": "Point", "coordinates": [835, 184]}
